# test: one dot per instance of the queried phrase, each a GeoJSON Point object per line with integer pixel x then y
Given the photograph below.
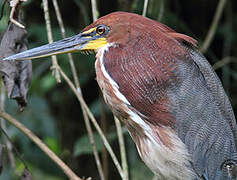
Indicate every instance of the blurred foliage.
{"type": "Point", "coordinates": [53, 112]}
{"type": "Point", "coordinates": [83, 147]}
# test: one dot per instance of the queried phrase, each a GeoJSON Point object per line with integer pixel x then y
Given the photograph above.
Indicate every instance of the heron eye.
{"type": "Point", "coordinates": [100, 30]}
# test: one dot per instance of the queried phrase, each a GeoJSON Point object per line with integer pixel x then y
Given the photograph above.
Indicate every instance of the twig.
{"type": "Point", "coordinates": [105, 141]}
{"type": "Point", "coordinates": [226, 50]}
{"type": "Point", "coordinates": [91, 138]}
{"type": "Point", "coordinates": [92, 141]}
{"type": "Point", "coordinates": [50, 39]}
{"type": "Point", "coordinates": [41, 145]}
{"type": "Point", "coordinates": [14, 148]}
{"type": "Point", "coordinates": [214, 24]}
{"type": "Point", "coordinates": [95, 16]}
{"type": "Point", "coordinates": [86, 119]}
{"type": "Point", "coordinates": [3, 126]}
{"type": "Point", "coordinates": [83, 10]}
{"type": "Point", "coordinates": [14, 4]}
{"type": "Point", "coordinates": [1, 158]}
{"type": "Point", "coordinates": [94, 10]}
{"type": "Point", "coordinates": [224, 61]}
{"type": "Point", "coordinates": [118, 125]}
{"type": "Point", "coordinates": [144, 7]}
{"type": "Point", "coordinates": [122, 147]}
{"type": "Point", "coordinates": [63, 32]}
{"type": "Point", "coordinates": [2, 9]}
{"type": "Point", "coordinates": [104, 129]}
{"type": "Point", "coordinates": [161, 12]}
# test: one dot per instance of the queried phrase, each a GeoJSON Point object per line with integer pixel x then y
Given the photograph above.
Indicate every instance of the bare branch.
{"type": "Point", "coordinates": [14, 4]}
{"type": "Point", "coordinates": [41, 145]}
{"type": "Point", "coordinates": [14, 148]}
{"type": "Point", "coordinates": [63, 32]}
{"type": "Point", "coordinates": [161, 12]}
{"type": "Point", "coordinates": [74, 72]}
{"type": "Point", "coordinates": [122, 148]}
{"type": "Point", "coordinates": [117, 123]}
{"type": "Point", "coordinates": [213, 27]}
{"type": "Point", "coordinates": [3, 125]}
{"type": "Point", "coordinates": [1, 158]}
{"type": "Point", "coordinates": [104, 129]}
{"type": "Point", "coordinates": [94, 10]}
{"type": "Point", "coordinates": [50, 39]}
{"type": "Point", "coordinates": [92, 141]}
{"type": "Point", "coordinates": [224, 61]}
{"type": "Point", "coordinates": [144, 7]}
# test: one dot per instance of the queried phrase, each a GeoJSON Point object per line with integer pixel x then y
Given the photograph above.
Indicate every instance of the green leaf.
{"type": "Point", "coordinates": [53, 144]}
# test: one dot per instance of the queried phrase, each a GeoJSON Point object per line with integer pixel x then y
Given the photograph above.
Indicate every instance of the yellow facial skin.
{"type": "Point", "coordinates": [94, 44]}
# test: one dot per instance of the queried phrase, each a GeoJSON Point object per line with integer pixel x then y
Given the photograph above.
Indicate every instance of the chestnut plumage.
{"type": "Point", "coordinates": [164, 90]}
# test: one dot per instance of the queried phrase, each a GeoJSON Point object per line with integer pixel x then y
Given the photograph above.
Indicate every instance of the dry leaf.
{"type": "Point", "coordinates": [16, 74]}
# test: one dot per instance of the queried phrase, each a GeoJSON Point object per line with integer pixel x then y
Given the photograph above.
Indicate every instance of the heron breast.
{"type": "Point", "coordinates": [159, 147]}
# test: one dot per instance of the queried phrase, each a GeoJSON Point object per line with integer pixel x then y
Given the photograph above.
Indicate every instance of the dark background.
{"type": "Point", "coordinates": [54, 113]}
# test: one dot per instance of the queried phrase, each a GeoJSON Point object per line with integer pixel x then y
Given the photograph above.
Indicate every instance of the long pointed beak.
{"type": "Point", "coordinates": [71, 44]}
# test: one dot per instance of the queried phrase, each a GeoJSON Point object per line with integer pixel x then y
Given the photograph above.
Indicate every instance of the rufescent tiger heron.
{"type": "Point", "coordinates": [164, 90]}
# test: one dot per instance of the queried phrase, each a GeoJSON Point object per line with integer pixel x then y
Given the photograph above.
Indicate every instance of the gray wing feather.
{"type": "Point", "coordinates": [204, 118]}
{"type": "Point", "coordinates": [217, 90]}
